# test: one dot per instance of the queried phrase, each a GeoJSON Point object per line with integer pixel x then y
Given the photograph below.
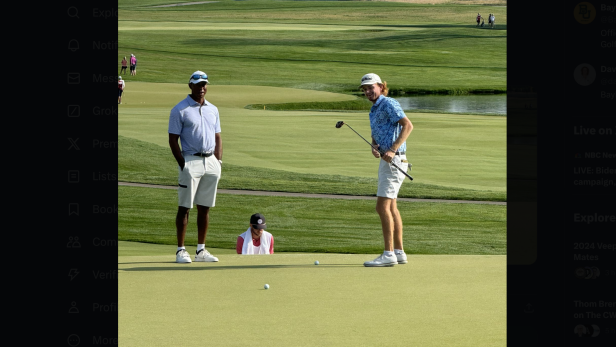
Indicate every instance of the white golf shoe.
{"type": "Point", "coordinates": [205, 256]}
{"type": "Point", "coordinates": [382, 260]}
{"type": "Point", "coordinates": [182, 256]}
{"type": "Point", "coordinates": [401, 258]}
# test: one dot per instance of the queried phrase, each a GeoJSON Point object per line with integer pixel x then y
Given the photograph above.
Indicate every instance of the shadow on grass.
{"type": "Point", "coordinates": [238, 267]}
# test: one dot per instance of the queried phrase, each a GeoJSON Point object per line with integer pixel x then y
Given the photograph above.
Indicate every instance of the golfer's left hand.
{"type": "Point", "coordinates": [388, 156]}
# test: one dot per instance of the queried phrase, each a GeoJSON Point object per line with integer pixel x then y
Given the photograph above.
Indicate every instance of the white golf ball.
{"type": "Point", "coordinates": [316, 262]}
{"type": "Point", "coordinates": [266, 286]}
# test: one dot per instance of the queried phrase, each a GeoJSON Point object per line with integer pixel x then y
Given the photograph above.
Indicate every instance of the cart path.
{"type": "Point", "coordinates": [322, 196]}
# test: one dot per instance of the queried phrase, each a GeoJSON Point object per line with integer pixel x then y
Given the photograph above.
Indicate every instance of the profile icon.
{"type": "Point", "coordinates": [584, 74]}
{"type": "Point", "coordinates": [584, 12]}
{"type": "Point", "coordinates": [580, 330]}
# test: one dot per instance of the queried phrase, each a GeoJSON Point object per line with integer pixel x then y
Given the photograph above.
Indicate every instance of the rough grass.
{"type": "Point", "coordinates": [159, 167]}
{"type": "Point", "coordinates": [316, 225]}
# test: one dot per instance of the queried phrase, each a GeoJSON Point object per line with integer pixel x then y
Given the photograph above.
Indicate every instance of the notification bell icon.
{"type": "Point", "coordinates": [73, 45]}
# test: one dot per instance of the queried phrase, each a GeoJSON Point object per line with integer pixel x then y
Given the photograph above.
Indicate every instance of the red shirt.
{"type": "Point", "coordinates": [255, 242]}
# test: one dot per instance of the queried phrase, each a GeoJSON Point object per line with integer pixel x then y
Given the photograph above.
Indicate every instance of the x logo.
{"type": "Point", "coordinates": [73, 143]}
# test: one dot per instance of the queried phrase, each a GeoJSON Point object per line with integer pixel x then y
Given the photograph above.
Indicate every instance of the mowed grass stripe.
{"type": "Point", "coordinates": [317, 225]}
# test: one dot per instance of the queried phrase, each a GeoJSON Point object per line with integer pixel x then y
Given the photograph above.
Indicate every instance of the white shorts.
{"type": "Point", "coordinates": [390, 178]}
{"type": "Point", "coordinates": [198, 181]}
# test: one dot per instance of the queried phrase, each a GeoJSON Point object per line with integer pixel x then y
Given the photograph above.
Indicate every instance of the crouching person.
{"type": "Point", "coordinates": [255, 240]}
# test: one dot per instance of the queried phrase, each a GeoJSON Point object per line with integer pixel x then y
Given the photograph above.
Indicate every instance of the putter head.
{"type": "Point", "coordinates": [339, 124]}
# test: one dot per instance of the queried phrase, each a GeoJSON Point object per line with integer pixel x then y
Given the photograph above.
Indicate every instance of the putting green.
{"type": "Point", "coordinates": [449, 150]}
{"type": "Point", "coordinates": [431, 301]}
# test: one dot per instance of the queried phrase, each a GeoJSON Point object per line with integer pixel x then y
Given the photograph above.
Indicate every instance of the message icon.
{"type": "Point", "coordinates": [74, 78]}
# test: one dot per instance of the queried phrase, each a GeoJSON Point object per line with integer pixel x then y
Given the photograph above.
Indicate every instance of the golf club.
{"type": "Point", "coordinates": [341, 123]}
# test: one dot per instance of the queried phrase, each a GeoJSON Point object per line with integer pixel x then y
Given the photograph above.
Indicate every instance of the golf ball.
{"type": "Point", "coordinates": [316, 262]}
{"type": "Point", "coordinates": [266, 286]}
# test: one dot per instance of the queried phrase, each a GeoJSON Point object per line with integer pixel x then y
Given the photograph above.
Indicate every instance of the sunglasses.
{"type": "Point", "coordinates": [197, 76]}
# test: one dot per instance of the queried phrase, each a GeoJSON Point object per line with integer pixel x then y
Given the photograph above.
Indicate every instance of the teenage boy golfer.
{"type": "Point", "coordinates": [390, 128]}
{"type": "Point", "coordinates": [196, 123]}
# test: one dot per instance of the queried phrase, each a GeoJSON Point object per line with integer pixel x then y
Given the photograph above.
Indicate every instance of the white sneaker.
{"type": "Point", "coordinates": [182, 256]}
{"type": "Point", "coordinates": [401, 258]}
{"type": "Point", "coordinates": [204, 255]}
{"type": "Point", "coordinates": [382, 260]}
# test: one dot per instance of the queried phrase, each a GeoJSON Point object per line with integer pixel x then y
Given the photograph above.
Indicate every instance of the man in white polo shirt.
{"type": "Point", "coordinates": [196, 123]}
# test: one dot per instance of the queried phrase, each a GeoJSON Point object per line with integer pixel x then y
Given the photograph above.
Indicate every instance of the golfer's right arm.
{"type": "Point", "coordinates": [375, 153]}
{"type": "Point", "coordinates": [175, 149]}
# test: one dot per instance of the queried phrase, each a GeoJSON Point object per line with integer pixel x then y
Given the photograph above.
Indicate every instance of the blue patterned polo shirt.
{"type": "Point", "coordinates": [384, 117]}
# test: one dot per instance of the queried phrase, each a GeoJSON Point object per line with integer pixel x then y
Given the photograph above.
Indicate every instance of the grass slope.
{"type": "Point", "coordinates": [159, 167]}
{"type": "Point", "coordinates": [317, 225]}
{"type": "Point", "coordinates": [452, 151]}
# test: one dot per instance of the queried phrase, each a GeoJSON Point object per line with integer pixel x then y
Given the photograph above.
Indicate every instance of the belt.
{"type": "Point", "coordinates": [400, 153]}
{"type": "Point", "coordinates": [209, 154]}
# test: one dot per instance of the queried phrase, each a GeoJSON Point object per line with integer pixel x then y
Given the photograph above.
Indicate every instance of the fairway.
{"type": "Point", "coordinates": [131, 26]}
{"type": "Point", "coordinates": [434, 300]}
{"type": "Point", "coordinates": [458, 151]}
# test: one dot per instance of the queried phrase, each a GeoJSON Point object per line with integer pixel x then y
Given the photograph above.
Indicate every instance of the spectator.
{"type": "Point", "coordinates": [124, 66]}
{"type": "Point", "coordinates": [121, 86]}
{"type": "Point", "coordinates": [255, 240]}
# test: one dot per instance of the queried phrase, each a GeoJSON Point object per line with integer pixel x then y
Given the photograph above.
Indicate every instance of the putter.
{"type": "Point", "coordinates": [341, 123]}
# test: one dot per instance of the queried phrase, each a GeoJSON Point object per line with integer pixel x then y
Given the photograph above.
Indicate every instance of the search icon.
{"type": "Point", "coordinates": [73, 12]}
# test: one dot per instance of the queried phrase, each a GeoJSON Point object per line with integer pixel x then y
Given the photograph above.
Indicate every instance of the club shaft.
{"type": "Point", "coordinates": [380, 152]}
{"type": "Point", "coordinates": [371, 145]}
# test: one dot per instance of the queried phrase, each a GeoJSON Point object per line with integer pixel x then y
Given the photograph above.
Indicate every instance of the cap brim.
{"type": "Point", "coordinates": [369, 83]}
{"type": "Point", "coordinates": [259, 226]}
{"type": "Point", "coordinates": [199, 81]}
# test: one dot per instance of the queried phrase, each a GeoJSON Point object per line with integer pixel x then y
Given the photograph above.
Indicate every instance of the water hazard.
{"type": "Point", "coordinates": [476, 104]}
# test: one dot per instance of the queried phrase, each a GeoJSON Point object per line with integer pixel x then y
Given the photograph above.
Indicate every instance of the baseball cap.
{"type": "Point", "coordinates": [258, 221]}
{"type": "Point", "coordinates": [370, 78]}
{"type": "Point", "coordinates": [119, 77]}
{"type": "Point", "coordinates": [198, 77]}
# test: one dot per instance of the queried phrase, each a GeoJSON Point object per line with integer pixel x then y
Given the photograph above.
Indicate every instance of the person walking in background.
{"type": "Point", "coordinates": [478, 18]}
{"type": "Point", "coordinates": [195, 122]}
{"type": "Point", "coordinates": [124, 66]}
{"type": "Point", "coordinates": [121, 86]}
{"type": "Point", "coordinates": [133, 63]}
{"type": "Point", "coordinates": [390, 129]}
{"type": "Point", "coordinates": [255, 240]}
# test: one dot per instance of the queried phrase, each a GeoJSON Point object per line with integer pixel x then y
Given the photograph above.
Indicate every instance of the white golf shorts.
{"type": "Point", "coordinates": [390, 178]}
{"type": "Point", "coordinates": [198, 181]}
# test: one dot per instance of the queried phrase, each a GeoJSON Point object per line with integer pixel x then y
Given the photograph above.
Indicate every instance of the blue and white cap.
{"type": "Point", "coordinates": [198, 77]}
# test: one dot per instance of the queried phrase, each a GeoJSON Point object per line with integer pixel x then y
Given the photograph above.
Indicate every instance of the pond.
{"type": "Point", "coordinates": [479, 104]}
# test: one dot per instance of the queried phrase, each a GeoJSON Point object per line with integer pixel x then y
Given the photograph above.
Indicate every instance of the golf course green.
{"type": "Point", "coordinates": [282, 73]}
{"type": "Point", "coordinates": [433, 301]}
